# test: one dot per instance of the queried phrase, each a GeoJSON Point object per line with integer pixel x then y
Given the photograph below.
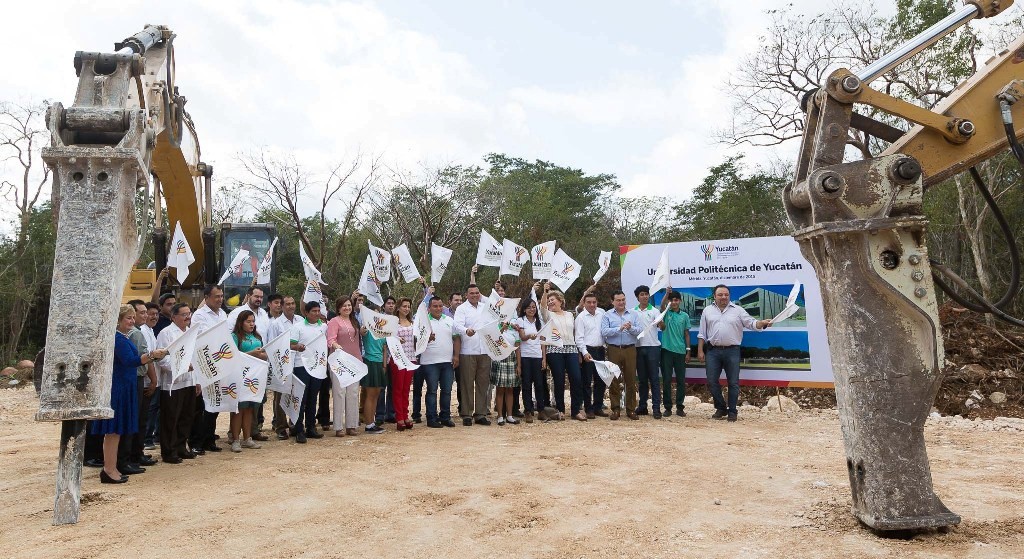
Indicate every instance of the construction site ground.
{"type": "Point", "coordinates": [771, 485]}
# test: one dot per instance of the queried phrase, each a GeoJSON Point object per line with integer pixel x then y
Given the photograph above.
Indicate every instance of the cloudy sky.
{"type": "Point", "coordinates": [602, 86]}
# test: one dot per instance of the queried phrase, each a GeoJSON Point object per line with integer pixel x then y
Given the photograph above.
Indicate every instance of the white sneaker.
{"type": "Point", "coordinates": [236, 446]}
{"type": "Point", "coordinates": [501, 420]}
{"type": "Point", "coordinates": [249, 443]}
{"type": "Point", "coordinates": [511, 420]}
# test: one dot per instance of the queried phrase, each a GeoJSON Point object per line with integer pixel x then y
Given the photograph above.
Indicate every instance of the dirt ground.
{"type": "Point", "coordinates": [771, 485]}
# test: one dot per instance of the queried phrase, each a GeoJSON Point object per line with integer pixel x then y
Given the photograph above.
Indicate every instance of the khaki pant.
{"type": "Point", "coordinates": [625, 358]}
{"type": "Point", "coordinates": [474, 378]}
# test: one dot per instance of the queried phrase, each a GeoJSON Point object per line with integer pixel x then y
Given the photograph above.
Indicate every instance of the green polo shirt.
{"type": "Point", "coordinates": [676, 324]}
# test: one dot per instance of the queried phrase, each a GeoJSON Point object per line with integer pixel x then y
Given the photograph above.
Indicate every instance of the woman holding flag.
{"type": "Point", "coordinates": [401, 379]}
{"type": "Point", "coordinates": [565, 359]}
{"type": "Point", "coordinates": [248, 340]}
{"type": "Point", "coordinates": [343, 335]}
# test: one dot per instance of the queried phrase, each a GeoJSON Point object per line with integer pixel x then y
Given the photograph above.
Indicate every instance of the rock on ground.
{"type": "Point", "coordinates": [788, 404]}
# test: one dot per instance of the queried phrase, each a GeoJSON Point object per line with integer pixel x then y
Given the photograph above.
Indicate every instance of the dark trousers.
{"type": "Point", "coordinates": [596, 401]}
{"type": "Point", "coordinates": [177, 409]}
{"type": "Point", "coordinates": [438, 375]}
{"type": "Point", "coordinates": [568, 363]}
{"type": "Point", "coordinates": [153, 421]}
{"type": "Point", "coordinates": [93, 445]}
{"type": "Point", "coordinates": [385, 405]}
{"type": "Point", "coordinates": [673, 362]}
{"type": "Point", "coordinates": [323, 408]}
{"type": "Point", "coordinates": [418, 381]}
{"type": "Point", "coordinates": [648, 375]}
{"type": "Point", "coordinates": [280, 420]}
{"type": "Point", "coordinates": [535, 384]}
{"type": "Point", "coordinates": [307, 411]}
{"type": "Point", "coordinates": [716, 360]}
{"type": "Point", "coordinates": [138, 439]}
{"type": "Point", "coordinates": [516, 393]}
{"type": "Point", "coordinates": [204, 426]}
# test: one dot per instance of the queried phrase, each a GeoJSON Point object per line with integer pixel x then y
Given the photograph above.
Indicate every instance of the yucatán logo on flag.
{"type": "Point", "coordinates": [708, 250]}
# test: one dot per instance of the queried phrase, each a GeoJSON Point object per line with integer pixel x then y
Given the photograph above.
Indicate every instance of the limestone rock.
{"type": "Point", "coordinates": [788, 405]}
{"type": "Point", "coordinates": [691, 401]}
{"type": "Point", "coordinates": [997, 397]}
{"type": "Point", "coordinates": [705, 406]}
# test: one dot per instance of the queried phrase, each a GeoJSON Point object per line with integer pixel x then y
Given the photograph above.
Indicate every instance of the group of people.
{"type": "Point", "coordinates": [649, 345]}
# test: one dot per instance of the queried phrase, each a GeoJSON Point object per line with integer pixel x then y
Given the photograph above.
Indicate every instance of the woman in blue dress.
{"type": "Point", "coordinates": [124, 396]}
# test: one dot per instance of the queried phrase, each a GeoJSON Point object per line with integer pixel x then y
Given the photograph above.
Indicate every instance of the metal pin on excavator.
{"type": "Point", "coordinates": [861, 225]}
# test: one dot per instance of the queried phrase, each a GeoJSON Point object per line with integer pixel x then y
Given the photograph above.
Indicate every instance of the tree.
{"type": "Point", "coordinates": [728, 204]}
{"type": "Point", "coordinates": [282, 183]}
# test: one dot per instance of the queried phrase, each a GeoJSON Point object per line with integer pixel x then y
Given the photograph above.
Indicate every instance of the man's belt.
{"type": "Point", "coordinates": [722, 346]}
{"type": "Point", "coordinates": [621, 346]}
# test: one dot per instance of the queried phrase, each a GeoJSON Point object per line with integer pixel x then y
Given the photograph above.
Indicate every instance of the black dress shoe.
{"type": "Point", "coordinates": [732, 417]}
{"type": "Point", "coordinates": [147, 461]}
{"type": "Point", "coordinates": [517, 413]}
{"type": "Point", "coordinates": [435, 425]}
{"type": "Point", "coordinates": [467, 421]}
{"type": "Point", "coordinates": [188, 455]}
{"type": "Point", "coordinates": [131, 469]}
{"type": "Point", "coordinates": [314, 434]}
{"type": "Point", "coordinates": [94, 463]}
{"type": "Point", "coordinates": [300, 437]}
{"type": "Point", "coordinates": [680, 412]}
{"type": "Point", "coordinates": [282, 435]}
{"type": "Point", "coordinates": [417, 420]}
{"type": "Point", "coordinates": [483, 421]}
{"type": "Point", "coordinates": [104, 478]}
{"type": "Point", "coordinates": [212, 448]}
{"type": "Point", "coordinates": [260, 437]}
{"type": "Point", "coordinates": [657, 415]}
{"type": "Point", "coordinates": [719, 414]}
{"type": "Point", "coordinates": [448, 423]}
{"type": "Point", "coordinates": [640, 411]}
{"type": "Point", "coordinates": [668, 412]}
{"type": "Point", "coordinates": [172, 460]}
{"type": "Point", "coordinates": [198, 452]}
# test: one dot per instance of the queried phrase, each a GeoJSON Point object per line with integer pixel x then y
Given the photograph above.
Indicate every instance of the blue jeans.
{"type": "Point", "coordinates": [562, 363]}
{"type": "Point", "coordinates": [418, 380]}
{"type": "Point", "coordinates": [716, 359]}
{"type": "Point", "coordinates": [438, 375]}
{"type": "Point", "coordinates": [307, 411]}
{"type": "Point", "coordinates": [535, 384]}
{"type": "Point", "coordinates": [648, 372]}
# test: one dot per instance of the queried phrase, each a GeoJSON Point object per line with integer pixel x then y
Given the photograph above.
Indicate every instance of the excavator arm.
{"type": "Point", "coordinates": [127, 124]}
{"type": "Point", "coordinates": [862, 227]}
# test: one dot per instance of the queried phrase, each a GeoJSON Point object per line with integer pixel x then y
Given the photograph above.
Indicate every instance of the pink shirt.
{"type": "Point", "coordinates": [341, 331]}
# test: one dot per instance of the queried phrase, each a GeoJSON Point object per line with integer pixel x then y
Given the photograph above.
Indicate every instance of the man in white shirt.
{"type": "Point", "coordinates": [204, 425]}
{"type": "Point", "coordinates": [591, 345]}
{"type": "Point", "coordinates": [474, 363]}
{"type": "Point", "coordinates": [437, 362]}
{"type": "Point", "coordinates": [648, 354]}
{"type": "Point", "coordinates": [254, 302]}
{"type": "Point", "coordinates": [278, 326]}
{"type": "Point", "coordinates": [152, 413]}
{"type": "Point", "coordinates": [303, 333]}
{"type": "Point", "coordinates": [721, 330]}
{"type": "Point", "coordinates": [177, 398]}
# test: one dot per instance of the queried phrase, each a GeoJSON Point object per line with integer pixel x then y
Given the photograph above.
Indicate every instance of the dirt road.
{"type": "Point", "coordinates": [768, 486]}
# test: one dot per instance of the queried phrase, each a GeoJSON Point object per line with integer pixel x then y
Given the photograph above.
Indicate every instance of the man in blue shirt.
{"type": "Point", "coordinates": [620, 327]}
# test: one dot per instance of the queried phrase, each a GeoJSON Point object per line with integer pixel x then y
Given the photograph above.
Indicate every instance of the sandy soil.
{"type": "Point", "coordinates": [771, 486]}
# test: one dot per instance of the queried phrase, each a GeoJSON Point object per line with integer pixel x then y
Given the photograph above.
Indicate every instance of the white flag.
{"type": "Point", "coordinates": [279, 361]}
{"type": "Point", "coordinates": [421, 330]}
{"type": "Point", "coordinates": [254, 379]}
{"type": "Point", "coordinates": [315, 356]}
{"type": "Point", "coordinates": [263, 273]}
{"type": "Point", "coordinates": [308, 267]}
{"type": "Point", "coordinates": [662, 278]}
{"type": "Point", "coordinates": [404, 263]}
{"type": "Point", "coordinates": [793, 294]}
{"type": "Point", "coordinates": [497, 344]}
{"type": "Point", "coordinates": [397, 353]}
{"type": "Point", "coordinates": [549, 335]}
{"type": "Point", "coordinates": [180, 256]}
{"type": "Point", "coordinates": [380, 325]}
{"type": "Point", "coordinates": [314, 293]}
{"type": "Point", "coordinates": [439, 258]}
{"type": "Point", "coordinates": [347, 369]}
{"type": "Point", "coordinates": [603, 263]}
{"type": "Point", "coordinates": [381, 260]}
{"type": "Point", "coordinates": [180, 353]}
{"type": "Point", "coordinates": [507, 307]}
{"type": "Point", "coordinates": [541, 256]}
{"type": "Point", "coordinates": [368, 284]}
{"type": "Point", "coordinates": [488, 253]}
{"type": "Point", "coordinates": [222, 394]}
{"type": "Point", "coordinates": [291, 399]}
{"type": "Point", "coordinates": [607, 370]}
{"type": "Point", "coordinates": [236, 265]}
{"type": "Point", "coordinates": [564, 270]}
{"type": "Point", "coordinates": [650, 329]}
{"type": "Point", "coordinates": [216, 355]}
{"type": "Point", "coordinates": [513, 258]}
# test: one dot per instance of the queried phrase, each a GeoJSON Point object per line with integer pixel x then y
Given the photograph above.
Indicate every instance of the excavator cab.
{"type": "Point", "coordinates": [255, 238]}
